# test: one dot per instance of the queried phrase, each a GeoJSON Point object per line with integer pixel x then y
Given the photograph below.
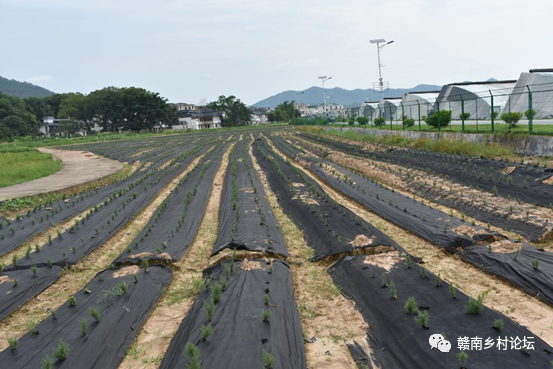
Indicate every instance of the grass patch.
{"type": "Point", "coordinates": [459, 147]}
{"type": "Point", "coordinates": [23, 165]}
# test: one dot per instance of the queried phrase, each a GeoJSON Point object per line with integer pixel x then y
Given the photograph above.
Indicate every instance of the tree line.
{"type": "Point", "coordinates": [112, 108]}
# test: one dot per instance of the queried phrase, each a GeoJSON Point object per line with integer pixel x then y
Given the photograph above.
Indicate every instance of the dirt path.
{"type": "Point", "coordinates": [78, 167]}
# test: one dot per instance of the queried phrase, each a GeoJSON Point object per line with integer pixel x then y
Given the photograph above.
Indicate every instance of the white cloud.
{"type": "Point", "coordinates": [41, 80]}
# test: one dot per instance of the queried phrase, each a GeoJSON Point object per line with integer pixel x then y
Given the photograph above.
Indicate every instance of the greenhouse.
{"type": "Point", "coordinates": [540, 83]}
{"type": "Point", "coordinates": [368, 110]}
{"type": "Point", "coordinates": [388, 107]}
{"type": "Point", "coordinates": [415, 105]}
{"type": "Point", "coordinates": [474, 99]}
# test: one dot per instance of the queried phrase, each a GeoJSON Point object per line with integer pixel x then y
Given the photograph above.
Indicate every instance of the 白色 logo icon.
{"type": "Point", "coordinates": [438, 341]}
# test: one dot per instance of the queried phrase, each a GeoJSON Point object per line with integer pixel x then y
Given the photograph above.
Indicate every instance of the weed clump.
{"type": "Point", "coordinates": [266, 315]}
{"type": "Point", "coordinates": [268, 360]}
{"type": "Point", "coordinates": [422, 318]}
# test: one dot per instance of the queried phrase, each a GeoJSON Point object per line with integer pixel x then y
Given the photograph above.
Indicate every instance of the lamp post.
{"type": "Point", "coordinates": [324, 79]}
{"type": "Point", "coordinates": [299, 93]}
{"type": "Point", "coordinates": [378, 47]}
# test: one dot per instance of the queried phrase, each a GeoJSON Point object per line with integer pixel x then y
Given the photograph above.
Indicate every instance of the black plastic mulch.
{"type": "Point", "coordinates": [526, 184]}
{"type": "Point", "coordinates": [175, 225]}
{"type": "Point", "coordinates": [105, 343]}
{"type": "Point", "coordinates": [11, 298]}
{"type": "Point", "coordinates": [100, 227]}
{"type": "Point", "coordinates": [328, 227]}
{"type": "Point", "coordinates": [60, 211]}
{"type": "Point", "coordinates": [239, 333]}
{"type": "Point", "coordinates": [398, 341]}
{"type": "Point", "coordinates": [422, 220]}
{"type": "Point", "coordinates": [520, 271]}
{"type": "Point", "coordinates": [529, 230]}
{"type": "Point", "coordinates": [246, 221]}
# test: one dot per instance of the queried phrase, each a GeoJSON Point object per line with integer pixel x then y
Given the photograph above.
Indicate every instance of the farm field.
{"type": "Point", "coordinates": [282, 248]}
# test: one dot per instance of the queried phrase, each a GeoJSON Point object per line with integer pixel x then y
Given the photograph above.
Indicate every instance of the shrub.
{"type": "Point", "coordinates": [15, 282]}
{"type": "Point", "coordinates": [422, 318]}
{"type": "Point", "coordinates": [95, 313]}
{"type": "Point", "coordinates": [194, 353]}
{"type": "Point", "coordinates": [423, 272]}
{"type": "Point", "coordinates": [13, 342]}
{"type": "Point", "coordinates": [266, 315]}
{"type": "Point", "coordinates": [383, 280]}
{"type": "Point", "coordinates": [61, 351]}
{"type": "Point", "coordinates": [511, 118]}
{"type": "Point", "coordinates": [216, 291]}
{"type": "Point", "coordinates": [438, 280]}
{"type": "Point", "coordinates": [47, 362]}
{"type": "Point", "coordinates": [379, 121]}
{"type": "Point", "coordinates": [411, 305]}
{"type": "Point", "coordinates": [464, 115]}
{"type": "Point", "coordinates": [209, 309]}
{"type": "Point", "coordinates": [362, 120]}
{"type": "Point", "coordinates": [527, 113]}
{"type": "Point", "coordinates": [535, 263]}
{"type": "Point", "coordinates": [266, 299]}
{"type": "Point", "coordinates": [145, 264]}
{"type": "Point", "coordinates": [393, 290]}
{"type": "Point", "coordinates": [84, 326]}
{"type": "Point", "coordinates": [452, 291]}
{"type": "Point", "coordinates": [498, 324]}
{"type": "Point", "coordinates": [475, 306]}
{"type": "Point", "coordinates": [72, 301]}
{"type": "Point", "coordinates": [268, 360]}
{"type": "Point", "coordinates": [206, 330]}
{"type": "Point", "coordinates": [408, 122]}
{"type": "Point", "coordinates": [462, 357]}
{"type": "Point", "coordinates": [409, 262]}
{"type": "Point", "coordinates": [445, 118]}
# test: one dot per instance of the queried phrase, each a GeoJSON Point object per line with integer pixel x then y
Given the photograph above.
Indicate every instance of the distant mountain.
{"type": "Point", "coordinates": [348, 98]}
{"type": "Point", "coordinates": [22, 89]}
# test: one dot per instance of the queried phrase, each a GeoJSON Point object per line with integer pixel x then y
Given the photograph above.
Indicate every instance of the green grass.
{"type": "Point", "coordinates": [460, 147]}
{"type": "Point", "coordinates": [499, 128]}
{"type": "Point", "coordinates": [23, 164]}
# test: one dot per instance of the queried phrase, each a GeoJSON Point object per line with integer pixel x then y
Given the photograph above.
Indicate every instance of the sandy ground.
{"type": "Point", "coordinates": [78, 167]}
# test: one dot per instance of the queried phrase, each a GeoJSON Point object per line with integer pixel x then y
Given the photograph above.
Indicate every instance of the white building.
{"type": "Point", "coordinates": [260, 115]}
{"type": "Point", "coordinates": [204, 119]}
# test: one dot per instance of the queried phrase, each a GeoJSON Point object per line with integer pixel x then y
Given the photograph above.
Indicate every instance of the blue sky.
{"type": "Point", "coordinates": [200, 49]}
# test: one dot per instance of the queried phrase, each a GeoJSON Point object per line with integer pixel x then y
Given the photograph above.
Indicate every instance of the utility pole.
{"type": "Point", "coordinates": [324, 79]}
{"type": "Point", "coordinates": [378, 47]}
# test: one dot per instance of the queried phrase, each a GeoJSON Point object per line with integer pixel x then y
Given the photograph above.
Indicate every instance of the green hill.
{"type": "Point", "coordinates": [22, 89]}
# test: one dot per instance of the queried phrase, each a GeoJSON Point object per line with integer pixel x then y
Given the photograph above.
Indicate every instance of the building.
{"type": "Point", "coordinates": [204, 119]}
{"type": "Point", "coordinates": [51, 126]}
{"type": "Point", "coordinates": [540, 83]}
{"type": "Point", "coordinates": [417, 105]}
{"type": "Point", "coordinates": [186, 107]}
{"type": "Point", "coordinates": [388, 107]}
{"type": "Point", "coordinates": [260, 115]}
{"type": "Point", "coordinates": [474, 98]}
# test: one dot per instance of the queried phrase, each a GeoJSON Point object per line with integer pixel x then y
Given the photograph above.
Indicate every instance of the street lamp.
{"type": "Point", "coordinates": [324, 79]}
{"type": "Point", "coordinates": [378, 42]}
{"type": "Point", "coordinates": [299, 93]}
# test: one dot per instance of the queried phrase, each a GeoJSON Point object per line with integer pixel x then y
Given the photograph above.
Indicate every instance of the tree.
{"type": "Point", "coordinates": [445, 118]}
{"type": "Point", "coordinates": [15, 118]}
{"type": "Point", "coordinates": [109, 108]}
{"type": "Point", "coordinates": [284, 112]}
{"type": "Point", "coordinates": [235, 112]}
{"type": "Point", "coordinates": [511, 118]}
{"type": "Point", "coordinates": [80, 108]}
{"type": "Point", "coordinates": [38, 107]}
{"type": "Point", "coordinates": [143, 109]}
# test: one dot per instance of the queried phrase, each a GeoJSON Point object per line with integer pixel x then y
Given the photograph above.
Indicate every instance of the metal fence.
{"type": "Point", "coordinates": [526, 108]}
